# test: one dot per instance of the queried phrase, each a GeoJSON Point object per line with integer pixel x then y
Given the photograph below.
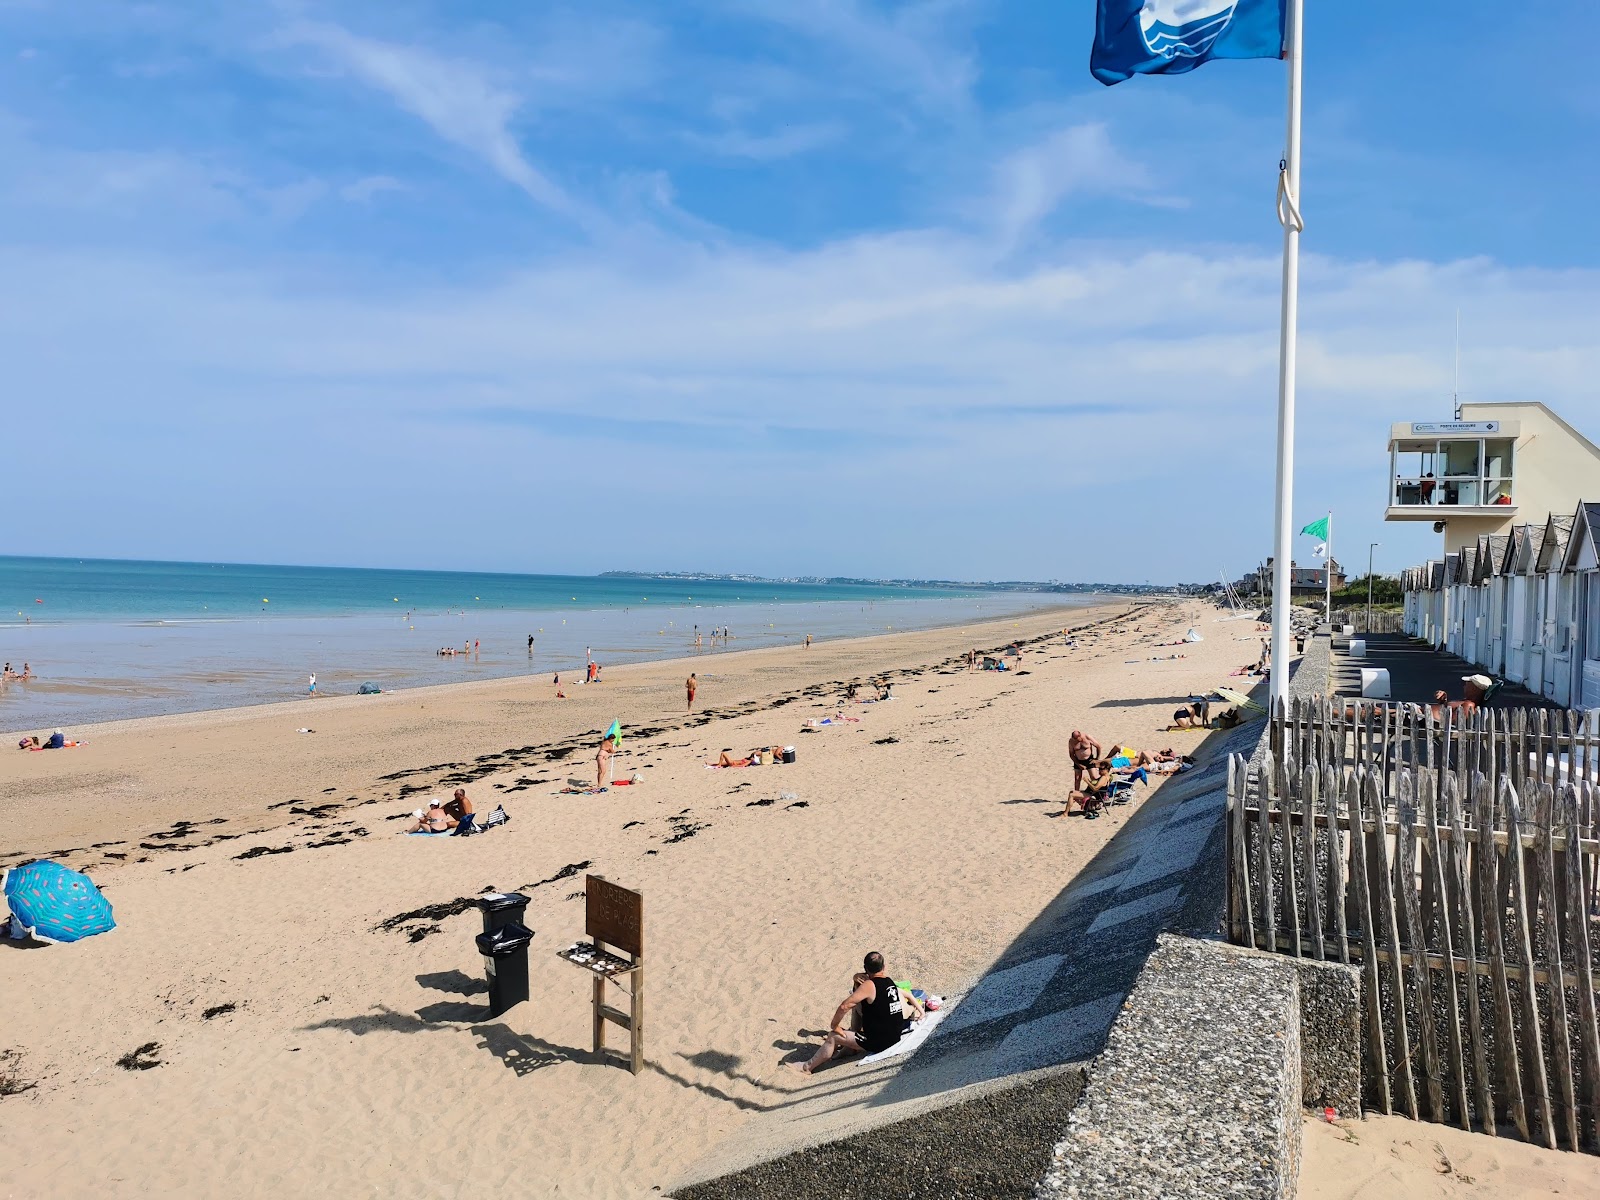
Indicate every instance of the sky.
{"type": "Point", "coordinates": [844, 287]}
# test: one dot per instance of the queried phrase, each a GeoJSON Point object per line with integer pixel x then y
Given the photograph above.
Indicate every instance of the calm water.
{"type": "Point", "coordinates": [110, 639]}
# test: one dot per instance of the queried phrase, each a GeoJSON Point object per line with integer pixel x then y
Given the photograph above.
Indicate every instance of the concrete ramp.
{"type": "Point", "coordinates": [1047, 1003]}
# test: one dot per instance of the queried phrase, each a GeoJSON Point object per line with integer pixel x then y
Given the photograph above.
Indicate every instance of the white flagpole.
{"type": "Point", "coordinates": [1289, 215]}
{"type": "Point", "coordinates": [1327, 568]}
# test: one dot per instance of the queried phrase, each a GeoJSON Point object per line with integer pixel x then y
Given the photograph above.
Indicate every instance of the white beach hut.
{"type": "Point", "coordinates": [1581, 564]}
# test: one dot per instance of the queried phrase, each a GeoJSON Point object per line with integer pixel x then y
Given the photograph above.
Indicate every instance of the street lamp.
{"type": "Point", "coordinates": [1370, 548]}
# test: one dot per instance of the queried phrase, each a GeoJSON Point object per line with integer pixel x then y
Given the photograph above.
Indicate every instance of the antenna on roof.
{"type": "Point", "coordinates": [1455, 384]}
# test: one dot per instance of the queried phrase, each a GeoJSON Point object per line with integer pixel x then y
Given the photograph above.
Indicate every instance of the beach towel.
{"type": "Point", "coordinates": [920, 1032]}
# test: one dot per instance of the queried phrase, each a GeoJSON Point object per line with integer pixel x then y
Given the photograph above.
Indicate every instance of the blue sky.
{"type": "Point", "coordinates": [837, 287]}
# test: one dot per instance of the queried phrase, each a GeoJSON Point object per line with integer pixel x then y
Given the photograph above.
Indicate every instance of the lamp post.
{"type": "Point", "coordinates": [1370, 548]}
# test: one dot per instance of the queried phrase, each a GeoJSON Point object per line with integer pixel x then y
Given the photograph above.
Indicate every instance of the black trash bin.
{"type": "Point", "coordinates": [501, 908]}
{"type": "Point", "coordinates": [505, 961]}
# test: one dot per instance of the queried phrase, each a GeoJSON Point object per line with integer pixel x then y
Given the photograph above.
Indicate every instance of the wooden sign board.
{"type": "Point", "coordinates": [613, 915]}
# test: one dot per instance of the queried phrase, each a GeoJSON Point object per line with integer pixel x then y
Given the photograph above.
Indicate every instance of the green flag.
{"type": "Point", "coordinates": [1318, 529]}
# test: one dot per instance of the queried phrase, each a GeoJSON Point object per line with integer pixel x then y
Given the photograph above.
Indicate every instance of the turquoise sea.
{"type": "Point", "coordinates": [108, 639]}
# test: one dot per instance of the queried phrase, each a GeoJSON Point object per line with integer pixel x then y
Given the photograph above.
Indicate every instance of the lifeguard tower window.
{"type": "Point", "coordinates": [1452, 472]}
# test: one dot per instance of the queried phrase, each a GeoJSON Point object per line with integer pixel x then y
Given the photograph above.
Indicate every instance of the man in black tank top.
{"type": "Point", "coordinates": [881, 1016]}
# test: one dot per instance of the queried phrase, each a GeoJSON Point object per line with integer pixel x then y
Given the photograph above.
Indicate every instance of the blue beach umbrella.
{"type": "Point", "coordinates": [54, 903]}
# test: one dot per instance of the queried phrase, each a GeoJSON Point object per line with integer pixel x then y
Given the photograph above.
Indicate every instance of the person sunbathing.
{"type": "Point", "coordinates": [878, 1017]}
{"type": "Point", "coordinates": [1097, 781]}
{"type": "Point", "coordinates": [1126, 758]}
{"type": "Point", "coordinates": [1461, 709]}
{"type": "Point", "coordinates": [727, 760]}
{"type": "Point", "coordinates": [434, 820]}
{"type": "Point", "coordinates": [460, 809]}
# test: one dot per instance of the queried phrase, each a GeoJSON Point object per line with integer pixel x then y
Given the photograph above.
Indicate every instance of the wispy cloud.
{"type": "Point", "coordinates": [1030, 183]}
{"type": "Point", "coordinates": [361, 191]}
{"type": "Point", "coordinates": [784, 142]}
{"type": "Point", "coordinates": [458, 99]}
{"type": "Point", "coordinates": [906, 49]}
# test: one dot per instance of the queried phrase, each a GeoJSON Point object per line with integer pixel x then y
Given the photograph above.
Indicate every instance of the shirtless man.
{"type": "Point", "coordinates": [460, 807]}
{"type": "Point", "coordinates": [689, 686]}
{"type": "Point", "coordinates": [1084, 751]}
{"type": "Point", "coordinates": [877, 1001]}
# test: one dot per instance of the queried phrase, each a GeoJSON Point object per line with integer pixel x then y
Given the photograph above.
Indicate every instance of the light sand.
{"type": "Point", "coordinates": [361, 1062]}
{"type": "Point", "coordinates": [1383, 1157]}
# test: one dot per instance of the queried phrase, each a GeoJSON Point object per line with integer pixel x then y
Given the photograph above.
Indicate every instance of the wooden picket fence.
{"type": "Point", "coordinates": [1381, 620]}
{"type": "Point", "coordinates": [1455, 863]}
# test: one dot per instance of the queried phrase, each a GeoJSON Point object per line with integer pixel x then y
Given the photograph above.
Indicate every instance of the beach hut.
{"type": "Point", "coordinates": [1522, 631]}
{"type": "Point", "coordinates": [1581, 564]}
{"type": "Point", "coordinates": [1440, 586]}
{"type": "Point", "coordinates": [1548, 657]}
{"type": "Point", "coordinates": [1453, 629]}
{"type": "Point", "coordinates": [1471, 609]}
{"type": "Point", "coordinates": [1493, 583]}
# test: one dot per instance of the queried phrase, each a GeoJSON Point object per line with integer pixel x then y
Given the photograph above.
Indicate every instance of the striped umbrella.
{"type": "Point", "coordinates": [53, 903]}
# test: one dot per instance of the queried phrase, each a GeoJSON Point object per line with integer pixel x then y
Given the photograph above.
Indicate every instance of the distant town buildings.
{"type": "Point", "coordinates": [1309, 581]}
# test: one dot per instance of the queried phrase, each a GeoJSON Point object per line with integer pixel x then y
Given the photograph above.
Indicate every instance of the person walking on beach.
{"type": "Point", "coordinates": [880, 1014]}
{"type": "Point", "coordinates": [808, 641]}
{"type": "Point", "coordinates": [311, 688]}
{"type": "Point", "coordinates": [689, 686]}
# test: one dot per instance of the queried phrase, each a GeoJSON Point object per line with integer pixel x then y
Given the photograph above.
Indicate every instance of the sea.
{"type": "Point", "coordinates": [109, 639]}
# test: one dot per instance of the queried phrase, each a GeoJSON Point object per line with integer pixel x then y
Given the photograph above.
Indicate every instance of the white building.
{"type": "Point", "coordinates": [1497, 466]}
{"type": "Point", "coordinates": [1517, 589]}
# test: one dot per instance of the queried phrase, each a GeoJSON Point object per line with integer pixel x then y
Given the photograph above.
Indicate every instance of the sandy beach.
{"type": "Point", "coordinates": [311, 1036]}
{"type": "Point", "coordinates": [1383, 1157]}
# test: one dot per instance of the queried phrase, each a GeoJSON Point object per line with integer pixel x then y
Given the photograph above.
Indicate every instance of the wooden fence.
{"type": "Point", "coordinates": [1454, 863]}
{"type": "Point", "coordinates": [1382, 620]}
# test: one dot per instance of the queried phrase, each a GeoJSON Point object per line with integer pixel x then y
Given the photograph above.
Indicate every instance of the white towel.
{"type": "Point", "coordinates": [910, 1041]}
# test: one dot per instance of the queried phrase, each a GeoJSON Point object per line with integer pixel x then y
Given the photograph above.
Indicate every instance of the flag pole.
{"type": "Point", "coordinates": [1289, 216]}
{"type": "Point", "coordinates": [1327, 571]}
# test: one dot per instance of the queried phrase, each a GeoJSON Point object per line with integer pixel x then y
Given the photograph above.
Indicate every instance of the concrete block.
{"type": "Point", "coordinates": [1198, 1091]}
{"type": "Point", "coordinates": [1330, 1035]}
{"type": "Point", "coordinates": [1375, 683]}
{"type": "Point", "coordinates": [1358, 647]}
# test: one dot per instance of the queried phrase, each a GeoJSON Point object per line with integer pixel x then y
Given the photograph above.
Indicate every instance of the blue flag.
{"type": "Point", "coordinates": [1166, 37]}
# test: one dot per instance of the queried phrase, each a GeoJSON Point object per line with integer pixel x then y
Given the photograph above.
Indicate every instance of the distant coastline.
{"type": "Point", "coordinates": [963, 585]}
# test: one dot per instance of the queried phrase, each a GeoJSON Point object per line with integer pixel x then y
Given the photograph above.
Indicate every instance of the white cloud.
{"type": "Point", "coordinates": [456, 98]}
{"type": "Point", "coordinates": [785, 141]}
{"type": "Point", "coordinates": [1031, 182]}
{"type": "Point", "coordinates": [929, 362]}
{"type": "Point", "coordinates": [904, 50]}
{"type": "Point", "coordinates": [361, 191]}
